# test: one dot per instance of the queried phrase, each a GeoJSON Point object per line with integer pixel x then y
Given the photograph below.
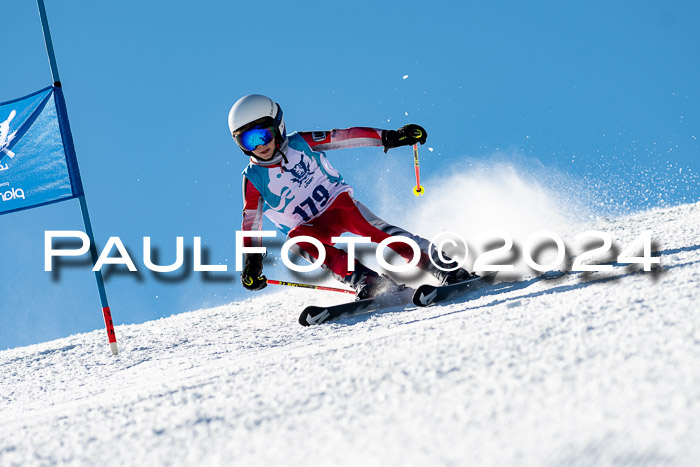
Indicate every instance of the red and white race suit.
{"type": "Point", "coordinates": [306, 196]}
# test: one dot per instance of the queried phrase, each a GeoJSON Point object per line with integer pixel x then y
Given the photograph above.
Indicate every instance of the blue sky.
{"type": "Point", "coordinates": [605, 91]}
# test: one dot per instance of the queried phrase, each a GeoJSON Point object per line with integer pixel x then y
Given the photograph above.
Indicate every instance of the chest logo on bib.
{"type": "Point", "coordinates": [302, 174]}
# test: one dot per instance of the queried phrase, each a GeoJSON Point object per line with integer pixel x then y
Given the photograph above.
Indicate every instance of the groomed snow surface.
{"type": "Point", "coordinates": [597, 369]}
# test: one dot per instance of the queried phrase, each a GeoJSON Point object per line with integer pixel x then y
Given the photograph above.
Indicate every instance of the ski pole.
{"type": "Point", "coordinates": [309, 286]}
{"type": "Point", "coordinates": [417, 190]}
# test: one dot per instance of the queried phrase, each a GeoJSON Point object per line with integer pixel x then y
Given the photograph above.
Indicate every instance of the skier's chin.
{"type": "Point", "coordinates": [265, 155]}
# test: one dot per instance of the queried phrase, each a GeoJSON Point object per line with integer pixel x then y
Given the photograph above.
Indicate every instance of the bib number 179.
{"type": "Point", "coordinates": [319, 198]}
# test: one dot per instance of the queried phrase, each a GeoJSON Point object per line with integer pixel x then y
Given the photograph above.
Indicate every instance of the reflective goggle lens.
{"type": "Point", "coordinates": [251, 139]}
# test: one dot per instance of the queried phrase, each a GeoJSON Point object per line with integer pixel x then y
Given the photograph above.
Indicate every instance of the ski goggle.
{"type": "Point", "coordinates": [254, 137]}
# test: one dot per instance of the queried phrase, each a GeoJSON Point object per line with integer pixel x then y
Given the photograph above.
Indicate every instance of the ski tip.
{"type": "Point", "coordinates": [313, 315]}
{"type": "Point", "coordinates": [424, 295]}
{"type": "Point", "coordinates": [489, 278]}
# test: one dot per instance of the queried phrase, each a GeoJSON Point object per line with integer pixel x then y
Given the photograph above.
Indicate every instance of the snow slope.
{"type": "Point", "coordinates": [582, 370]}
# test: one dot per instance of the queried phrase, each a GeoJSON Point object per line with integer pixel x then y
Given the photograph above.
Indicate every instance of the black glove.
{"type": "Point", "coordinates": [252, 277]}
{"type": "Point", "coordinates": [407, 135]}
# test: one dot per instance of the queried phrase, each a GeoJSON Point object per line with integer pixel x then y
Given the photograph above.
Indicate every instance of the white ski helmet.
{"type": "Point", "coordinates": [256, 110]}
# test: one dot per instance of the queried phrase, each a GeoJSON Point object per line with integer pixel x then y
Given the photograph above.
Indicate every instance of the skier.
{"type": "Point", "coordinates": [290, 181]}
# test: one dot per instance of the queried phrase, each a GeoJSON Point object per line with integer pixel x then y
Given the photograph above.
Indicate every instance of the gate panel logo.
{"type": "Point", "coordinates": [6, 137]}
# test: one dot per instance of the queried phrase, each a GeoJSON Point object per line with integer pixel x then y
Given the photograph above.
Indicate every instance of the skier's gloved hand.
{"type": "Point", "coordinates": [251, 277]}
{"type": "Point", "coordinates": [407, 135]}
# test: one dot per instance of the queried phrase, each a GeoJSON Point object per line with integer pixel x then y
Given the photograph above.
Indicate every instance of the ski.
{"type": "Point", "coordinates": [426, 295]}
{"type": "Point", "coordinates": [313, 315]}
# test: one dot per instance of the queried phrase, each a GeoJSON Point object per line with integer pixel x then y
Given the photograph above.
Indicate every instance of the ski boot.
{"type": "Point", "coordinates": [369, 284]}
{"type": "Point", "coordinates": [452, 275]}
